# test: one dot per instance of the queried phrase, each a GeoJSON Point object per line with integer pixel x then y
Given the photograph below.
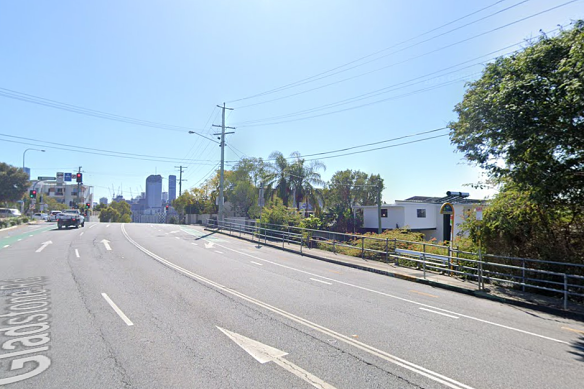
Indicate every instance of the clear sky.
{"type": "Point", "coordinates": [311, 76]}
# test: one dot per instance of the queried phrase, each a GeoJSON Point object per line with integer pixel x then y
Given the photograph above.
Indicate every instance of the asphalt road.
{"type": "Point", "coordinates": [164, 306]}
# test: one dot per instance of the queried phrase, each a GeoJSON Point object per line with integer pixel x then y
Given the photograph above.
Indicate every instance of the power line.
{"type": "Point", "coordinates": [381, 148]}
{"type": "Point", "coordinates": [11, 94]}
{"type": "Point", "coordinates": [87, 150]}
{"type": "Point", "coordinates": [243, 124]}
{"type": "Point", "coordinates": [363, 145]}
{"type": "Point", "coordinates": [361, 105]}
{"type": "Point", "coordinates": [316, 77]}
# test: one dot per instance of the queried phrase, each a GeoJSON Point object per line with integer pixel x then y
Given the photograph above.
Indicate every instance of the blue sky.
{"type": "Point", "coordinates": [362, 71]}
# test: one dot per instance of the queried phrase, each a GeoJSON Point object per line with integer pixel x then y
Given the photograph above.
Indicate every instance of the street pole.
{"type": "Point", "coordinates": [379, 209]}
{"type": "Point", "coordinates": [23, 155]}
{"type": "Point", "coordinates": [180, 180]}
{"type": "Point", "coordinates": [78, 189]}
{"type": "Point", "coordinates": [221, 172]}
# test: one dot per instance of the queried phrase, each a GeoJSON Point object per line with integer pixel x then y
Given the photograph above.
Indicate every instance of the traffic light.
{"type": "Point", "coordinates": [87, 205]}
{"type": "Point", "coordinates": [79, 177]}
{"type": "Point", "coordinates": [167, 208]}
{"type": "Point", "coordinates": [32, 193]}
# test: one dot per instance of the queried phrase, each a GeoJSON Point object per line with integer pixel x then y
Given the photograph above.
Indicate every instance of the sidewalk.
{"type": "Point", "coordinates": [533, 301]}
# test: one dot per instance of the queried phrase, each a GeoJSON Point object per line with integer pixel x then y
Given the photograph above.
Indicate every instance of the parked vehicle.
{"type": "Point", "coordinates": [70, 217]}
{"type": "Point", "coordinates": [9, 212]}
{"type": "Point", "coordinates": [40, 216]}
{"type": "Point", "coordinates": [53, 216]}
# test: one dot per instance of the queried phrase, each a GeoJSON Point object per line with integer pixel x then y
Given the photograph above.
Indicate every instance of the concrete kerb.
{"type": "Point", "coordinates": [484, 294]}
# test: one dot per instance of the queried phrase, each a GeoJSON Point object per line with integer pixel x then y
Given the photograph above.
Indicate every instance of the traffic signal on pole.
{"type": "Point", "coordinates": [87, 205]}
{"type": "Point", "coordinates": [32, 194]}
{"type": "Point", "coordinates": [167, 207]}
{"type": "Point", "coordinates": [79, 177]}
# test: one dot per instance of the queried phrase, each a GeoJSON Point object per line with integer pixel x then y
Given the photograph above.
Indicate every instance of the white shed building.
{"type": "Point", "coordinates": [421, 214]}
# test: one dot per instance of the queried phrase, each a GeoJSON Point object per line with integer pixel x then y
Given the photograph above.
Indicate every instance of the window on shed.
{"type": "Point", "coordinates": [421, 213]}
{"type": "Point", "coordinates": [383, 212]}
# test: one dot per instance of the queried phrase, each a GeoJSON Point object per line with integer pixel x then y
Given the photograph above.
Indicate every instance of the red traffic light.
{"type": "Point", "coordinates": [79, 177]}
{"type": "Point", "coordinates": [167, 207]}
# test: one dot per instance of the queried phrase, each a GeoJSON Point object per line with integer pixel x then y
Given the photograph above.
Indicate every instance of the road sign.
{"type": "Point", "coordinates": [67, 176]}
{"type": "Point", "coordinates": [43, 178]}
{"type": "Point", "coordinates": [479, 214]}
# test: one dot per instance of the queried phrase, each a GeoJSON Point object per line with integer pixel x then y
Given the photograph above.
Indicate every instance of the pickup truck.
{"type": "Point", "coordinates": [70, 217]}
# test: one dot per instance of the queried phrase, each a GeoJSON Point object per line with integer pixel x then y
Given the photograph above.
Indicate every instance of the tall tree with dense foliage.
{"type": "Point", "coordinates": [13, 183]}
{"type": "Point", "coordinates": [345, 189]}
{"type": "Point", "coordinates": [523, 120]}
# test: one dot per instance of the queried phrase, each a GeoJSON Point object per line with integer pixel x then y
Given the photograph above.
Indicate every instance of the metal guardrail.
{"type": "Point", "coordinates": [504, 271]}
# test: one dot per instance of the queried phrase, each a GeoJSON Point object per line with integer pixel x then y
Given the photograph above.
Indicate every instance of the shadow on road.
{"type": "Point", "coordinates": [578, 349]}
{"type": "Point", "coordinates": [204, 236]}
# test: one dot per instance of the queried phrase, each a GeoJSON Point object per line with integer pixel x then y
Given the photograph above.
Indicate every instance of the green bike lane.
{"type": "Point", "coordinates": [9, 237]}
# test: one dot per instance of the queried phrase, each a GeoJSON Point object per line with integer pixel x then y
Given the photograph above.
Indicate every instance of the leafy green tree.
{"type": "Point", "coordinates": [523, 120]}
{"type": "Point", "coordinates": [276, 215]}
{"type": "Point", "coordinates": [515, 225]}
{"type": "Point", "coordinates": [346, 189]}
{"type": "Point", "coordinates": [13, 183]}
{"type": "Point", "coordinates": [109, 214]}
{"type": "Point", "coordinates": [52, 204]}
{"type": "Point", "coordinates": [116, 212]}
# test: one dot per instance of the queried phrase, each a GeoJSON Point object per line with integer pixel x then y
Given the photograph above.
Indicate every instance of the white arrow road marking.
{"type": "Point", "coordinates": [77, 253]}
{"type": "Point", "coordinates": [439, 313]}
{"type": "Point", "coordinates": [45, 244]}
{"type": "Point", "coordinates": [264, 353]}
{"type": "Point", "coordinates": [209, 245]}
{"type": "Point", "coordinates": [118, 310]}
{"type": "Point", "coordinates": [106, 244]}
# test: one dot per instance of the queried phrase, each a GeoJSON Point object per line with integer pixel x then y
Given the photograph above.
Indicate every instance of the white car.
{"type": "Point", "coordinates": [40, 216]}
{"type": "Point", "coordinates": [9, 212]}
{"type": "Point", "coordinates": [53, 216]}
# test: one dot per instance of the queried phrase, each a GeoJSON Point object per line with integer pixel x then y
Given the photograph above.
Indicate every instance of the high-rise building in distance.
{"type": "Point", "coordinates": [154, 191]}
{"type": "Point", "coordinates": [171, 187]}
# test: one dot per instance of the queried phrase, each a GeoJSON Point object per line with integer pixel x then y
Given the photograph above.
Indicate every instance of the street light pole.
{"type": "Point", "coordinates": [24, 154]}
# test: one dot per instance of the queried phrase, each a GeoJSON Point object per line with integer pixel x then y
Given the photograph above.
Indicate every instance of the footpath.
{"type": "Point", "coordinates": [519, 298]}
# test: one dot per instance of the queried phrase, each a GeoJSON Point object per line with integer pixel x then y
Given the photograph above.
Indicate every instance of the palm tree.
{"type": "Point", "coordinates": [303, 177]}
{"type": "Point", "coordinates": [277, 177]}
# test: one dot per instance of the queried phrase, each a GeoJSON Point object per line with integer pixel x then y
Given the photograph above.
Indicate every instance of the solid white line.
{"type": "Point", "coordinates": [220, 252]}
{"type": "Point", "coordinates": [399, 298]}
{"type": "Point", "coordinates": [451, 383]}
{"type": "Point", "coordinates": [439, 313]}
{"type": "Point", "coordinates": [324, 282]}
{"type": "Point", "coordinates": [91, 226]}
{"type": "Point", "coordinates": [6, 245]}
{"type": "Point", "coordinates": [256, 263]}
{"type": "Point", "coordinates": [77, 253]}
{"type": "Point", "coordinates": [118, 310]}
{"type": "Point", "coordinates": [19, 240]}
